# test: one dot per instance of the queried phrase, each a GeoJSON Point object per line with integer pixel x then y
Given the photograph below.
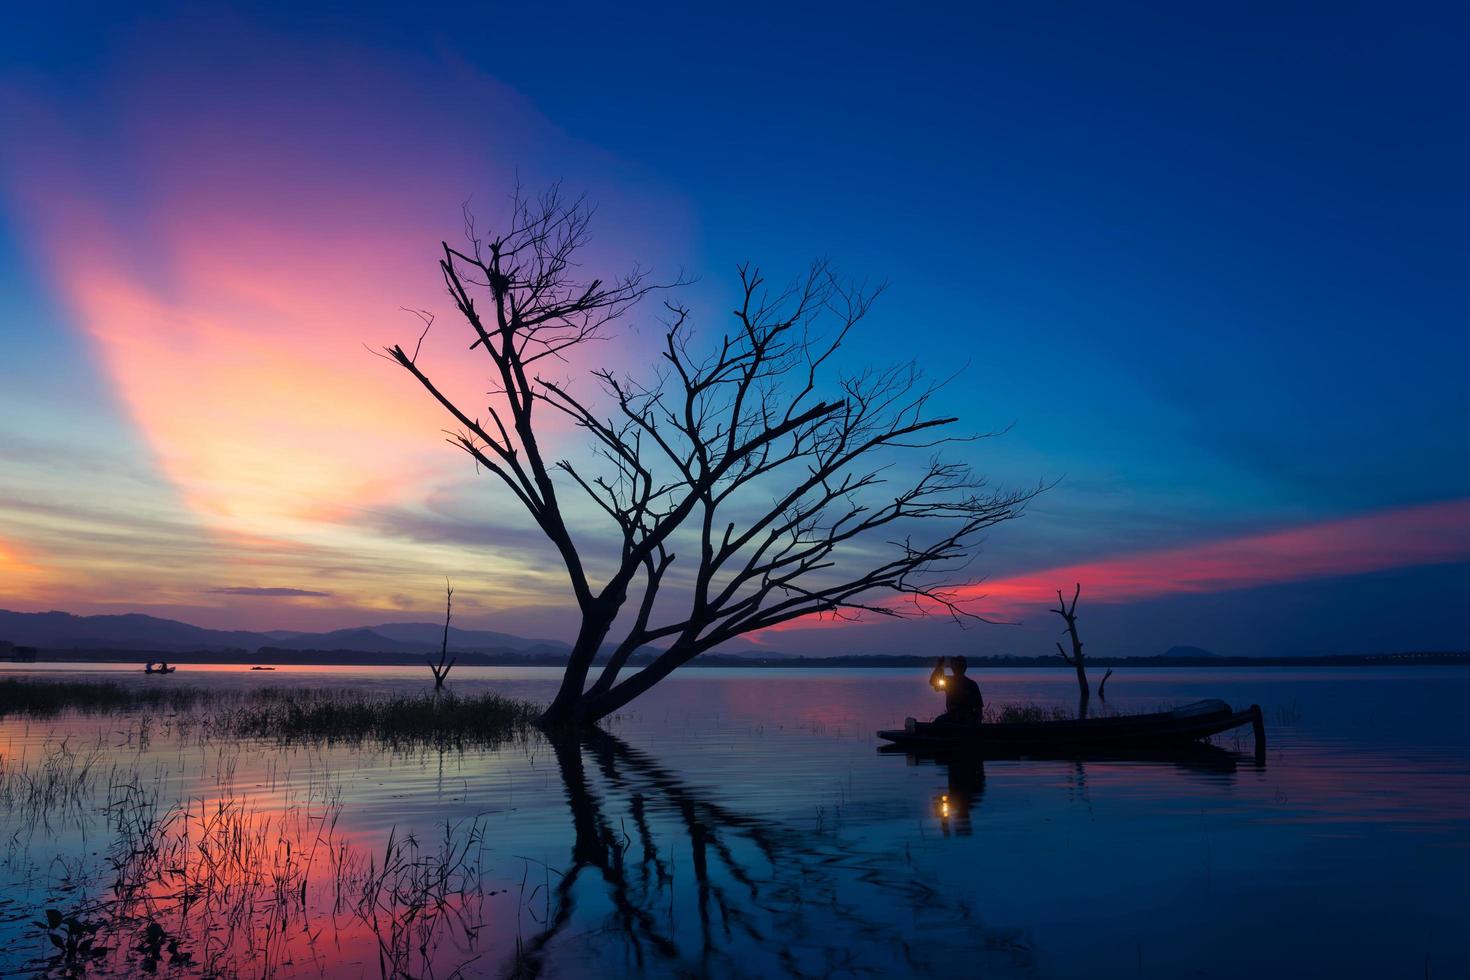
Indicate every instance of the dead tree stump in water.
{"type": "Point", "coordinates": [441, 669]}
{"type": "Point", "coordinates": [1069, 615]}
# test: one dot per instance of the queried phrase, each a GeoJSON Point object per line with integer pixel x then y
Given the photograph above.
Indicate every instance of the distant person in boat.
{"type": "Point", "coordinates": [963, 704]}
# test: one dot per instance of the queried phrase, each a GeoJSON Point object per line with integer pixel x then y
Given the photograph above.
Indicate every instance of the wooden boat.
{"type": "Point", "coordinates": [1119, 733]}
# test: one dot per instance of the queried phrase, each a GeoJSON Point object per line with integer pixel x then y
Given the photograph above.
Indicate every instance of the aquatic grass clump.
{"type": "Point", "coordinates": [1029, 712]}
{"type": "Point", "coordinates": [288, 713]}
{"type": "Point", "coordinates": [1026, 712]}
{"type": "Point", "coordinates": [340, 716]}
{"type": "Point", "coordinates": [46, 699]}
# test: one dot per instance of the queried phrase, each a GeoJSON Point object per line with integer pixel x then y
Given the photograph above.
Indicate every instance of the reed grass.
{"type": "Point", "coordinates": [287, 714]}
{"type": "Point", "coordinates": [46, 699]}
{"type": "Point", "coordinates": [237, 886]}
{"type": "Point", "coordinates": [56, 785]}
{"type": "Point", "coordinates": [400, 718]}
{"type": "Point", "coordinates": [1006, 714]}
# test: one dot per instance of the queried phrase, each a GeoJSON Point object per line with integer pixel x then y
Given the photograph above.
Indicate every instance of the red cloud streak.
{"type": "Point", "coordinates": [1426, 534]}
{"type": "Point", "coordinates": [1422, 535]}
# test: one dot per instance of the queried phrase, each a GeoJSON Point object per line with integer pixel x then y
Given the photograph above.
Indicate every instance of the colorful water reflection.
{"type": "Point", "coordinates": [743, 823]}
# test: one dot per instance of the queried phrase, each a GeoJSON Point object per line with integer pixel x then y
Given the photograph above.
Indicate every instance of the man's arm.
{"type": "Point", "coordinates": [936, 678]}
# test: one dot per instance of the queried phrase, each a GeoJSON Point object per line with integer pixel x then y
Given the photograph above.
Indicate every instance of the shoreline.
{"type": "Point", "coordinates": [351, 658]}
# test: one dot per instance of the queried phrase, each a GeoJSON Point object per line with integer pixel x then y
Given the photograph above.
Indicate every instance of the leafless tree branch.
{"type": "Point", "coordinates": [788, 483]}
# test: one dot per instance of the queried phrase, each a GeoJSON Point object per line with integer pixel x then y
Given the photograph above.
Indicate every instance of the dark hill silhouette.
{"type": "Point", "coordinates": [463, 639]}
{"type": "Point", "coordinates": [136, 631]}
{"type": "Point", "coordinates": [362, 639]}
{"type": "Point", "coordinates": [127, 631]}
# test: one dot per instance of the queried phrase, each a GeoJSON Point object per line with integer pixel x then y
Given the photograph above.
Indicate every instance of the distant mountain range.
{"type": "Point", "coordinates": [139, 632]}
{"type": "Point", "coordinates": [135, 631]}
{"type": "Point", "coordinates": [64, 637]}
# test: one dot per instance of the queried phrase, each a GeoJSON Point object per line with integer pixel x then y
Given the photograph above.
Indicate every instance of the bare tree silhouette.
{"type": "Point", "coordinates": [1069, 616]}
{"type": "Point", "coordinates": [442, 668]}
{"type": "Point", "coordinates": [779, 478]}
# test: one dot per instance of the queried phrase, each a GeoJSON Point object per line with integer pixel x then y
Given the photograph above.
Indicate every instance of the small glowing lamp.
{"type": "Point", "coordinates": [940, 682]}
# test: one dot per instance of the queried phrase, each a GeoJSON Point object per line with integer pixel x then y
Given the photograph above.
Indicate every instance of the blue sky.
{"type": "Point", "coordinates": [1209, 263]}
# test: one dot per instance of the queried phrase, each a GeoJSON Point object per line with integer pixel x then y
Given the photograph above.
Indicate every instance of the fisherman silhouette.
{"type": "Point", "coordinates": [963, 703]}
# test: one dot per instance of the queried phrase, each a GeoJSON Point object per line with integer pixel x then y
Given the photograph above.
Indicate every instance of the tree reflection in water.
{"type": "Point", "coordinates": [767, 898]}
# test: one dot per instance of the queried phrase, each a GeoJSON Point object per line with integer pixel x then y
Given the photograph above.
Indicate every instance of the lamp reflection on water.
{"type": "Point", "coordinates": [954, 807]}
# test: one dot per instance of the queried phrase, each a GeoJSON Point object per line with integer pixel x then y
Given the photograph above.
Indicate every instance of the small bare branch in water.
{"type": "Point", "coordinates": [441, 669]}
{"type": "Point", "coordinates": [1068, 612]}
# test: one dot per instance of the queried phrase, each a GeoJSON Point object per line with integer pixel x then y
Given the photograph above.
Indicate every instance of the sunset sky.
{"type": "Point", "coordinates": [1212, 272]}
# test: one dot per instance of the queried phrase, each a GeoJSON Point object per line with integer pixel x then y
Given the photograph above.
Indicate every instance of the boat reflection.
{"type": "Point", "coordinates": [965, 770]}
{"type": "Point", "coordinates": [1190, 756]}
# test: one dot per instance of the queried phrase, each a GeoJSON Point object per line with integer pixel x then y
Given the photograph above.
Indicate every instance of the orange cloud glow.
{"type": "Point", "coordinates": [258, 412]}
{"type": "Point", "coordinates": [230, 265]}
{"type": "Point", "coordinates": [19, 577]}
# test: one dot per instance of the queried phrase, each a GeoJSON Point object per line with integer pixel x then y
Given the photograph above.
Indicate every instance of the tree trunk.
{"type": "Point", "coordinates": [597, 707]}
{"type": "Point", "coordinates": [567, 707]}
{"type": "Point", "coordinates": [1069, 615]}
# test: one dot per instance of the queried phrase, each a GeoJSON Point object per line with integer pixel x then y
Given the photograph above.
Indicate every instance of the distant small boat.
{"type": "Point", "coordinates": [262, 668]}
{"type": "Point", "coordinates": [1189, 723]}
{"type": "Point", "coordinates": [159, 670]}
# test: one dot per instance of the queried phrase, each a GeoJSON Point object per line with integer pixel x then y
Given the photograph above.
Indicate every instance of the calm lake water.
{"type": "Point", "coordinates": [743, 823]}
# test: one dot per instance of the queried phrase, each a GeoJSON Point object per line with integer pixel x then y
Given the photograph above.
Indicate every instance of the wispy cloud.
{"type": "Point", "coordinates": [270, 591]}
{"type": "Point", "coordinates": [259, 430]}
{"type": "Point", "coordinates": [247, 375]}
{"type": "Point", "coordinates": [1426, 534]}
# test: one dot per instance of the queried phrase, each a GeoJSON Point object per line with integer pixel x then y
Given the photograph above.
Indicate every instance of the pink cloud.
{"type": "Point", "coordinates": [1426, 534]}
{"type": "Point", "coordinates": [1420, 535]}
{"type": "Point", "coordinates": [226, 250]}
{"type": "Point", "coordinates": [229, 251]}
